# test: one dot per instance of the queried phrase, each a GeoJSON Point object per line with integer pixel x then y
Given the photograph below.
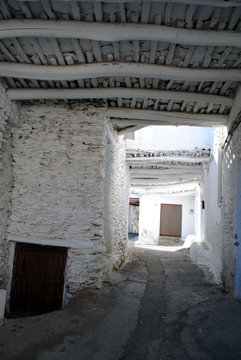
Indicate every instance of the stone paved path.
{"type": "Point", "coordinates": [160, 306]}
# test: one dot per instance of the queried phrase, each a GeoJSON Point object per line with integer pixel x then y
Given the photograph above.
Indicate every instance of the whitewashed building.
{"type": "Point", "coordinates": [76, 76]}
{"type": "Point", "coordinates": [166, 169]}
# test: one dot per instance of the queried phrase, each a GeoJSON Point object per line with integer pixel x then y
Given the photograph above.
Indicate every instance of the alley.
{"type": "Point", "coordinates": [160, 306]}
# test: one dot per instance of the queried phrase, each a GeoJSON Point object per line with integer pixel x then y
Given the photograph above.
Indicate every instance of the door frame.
{"type": "Point", "coordinates": [12, 245]}
{"type": "Point", "coordinates": [161, 216]}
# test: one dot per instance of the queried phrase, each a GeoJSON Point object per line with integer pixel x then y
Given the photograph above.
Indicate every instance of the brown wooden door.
{"type": "Point", "coordinates": [171, 220]}
{"type": "Point", "coordinates": [38, 279]}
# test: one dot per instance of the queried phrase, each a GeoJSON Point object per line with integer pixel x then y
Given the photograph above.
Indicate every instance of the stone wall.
{"type": "Point", "coordinates": [71, 188]}
{"type": "Point", "coordinates": [116, 198]}
{"type": "Point", "coordinates": [58, 156]}
{"type": "Point", "coordinates": [8, 117]}
{"type": "Point", "coordinates": [120, 202]}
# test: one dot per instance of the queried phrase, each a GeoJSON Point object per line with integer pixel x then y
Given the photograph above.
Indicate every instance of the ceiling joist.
{"type": "Point", "coordinates": [148, 172]}
{"type": "Point", "coordinates": [164, 179]}
{"type": "Point", "coordinates": [129, 129]}
{"type": "Point", "coordinates": [112, 69]}
{"type": "Point", "coordinates": [128, 117]}
{"type": "Point", "coordinates": [116, 32]}
{"type": "Point", "coordinates": [218, 3]}
{"type": "Point", "coordinates": [120, 123]}
{"type": "Point", "coordinates": [236, 108]}
{"type": "Point", "coordinates": [104, 93]}
{"type": "Point", "coordinates": [166, 160]}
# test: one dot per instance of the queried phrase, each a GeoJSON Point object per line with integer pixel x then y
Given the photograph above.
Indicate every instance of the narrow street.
{"type": "Point", "coordinates": [160, 306]}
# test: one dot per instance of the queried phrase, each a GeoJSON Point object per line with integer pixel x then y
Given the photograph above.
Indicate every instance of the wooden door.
{"type": "Point", "coordinates": [38, 279]}
{"type": "Point", "coordinates": [171, 220]}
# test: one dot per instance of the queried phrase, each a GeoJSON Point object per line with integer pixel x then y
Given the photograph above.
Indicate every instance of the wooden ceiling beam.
{"type": "Point", "coordinates": [160, 172]}
{"type": "Point", "coordinates": [104, 93]}
{"type": "Point", "coordinates": [166, 160]}
{"type": "Point", "coordinates": [131, 122]}
{"type": "Point", "coordinates": [128, 117]}
{"type": "Point", "coordinates": [236, 108]}
{"type": "Point", "coordinates": [218, 3]}
{"type": "Point", "coordinates": [129, 129]}
{"type": "Point", "coordinates": [112, 69]}
{"type": "Point", "coordinates": [164, 179]}
{"type": "Point", "coordinates": [99, 31]}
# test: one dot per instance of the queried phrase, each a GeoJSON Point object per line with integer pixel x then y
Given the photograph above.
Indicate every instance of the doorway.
{"type": "Point", "coordinates": [38, 279]}
{"type": "Point", "coordinates": [134, 212]}
{"type": "Point", "coordinates": [171, 220]}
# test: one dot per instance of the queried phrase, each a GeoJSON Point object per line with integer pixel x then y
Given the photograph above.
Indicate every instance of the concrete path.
{"type": "Point", "coordinates": [160, 306]}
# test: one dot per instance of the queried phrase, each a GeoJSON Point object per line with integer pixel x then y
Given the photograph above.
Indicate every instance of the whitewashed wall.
{"type": "Point", "coordinates": [208, 250]}
{"type": "Point", "coordinates": [71, 188]}
{"type": "Point", "coordinates": [172, 138]}
{"type": "Point", "coordinates": [120, 202]}
{"type": "Point", "coordinates": [150, 205]}
{"type": "Point", "coordinates": [8, 117]}
{"type": "Point", "coordinates": [116, 199]}
{"type": "Point", "coordinates": [221, 249]}
{"type": "Point", "coordinates": [231, 208]}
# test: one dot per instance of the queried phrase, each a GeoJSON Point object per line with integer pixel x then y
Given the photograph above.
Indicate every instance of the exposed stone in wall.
{"type": "Point", "coordinates": [57, 199]}
{"type": "Point", "coordinates": [8, 115]}
{"type": "Point", "coordinates": [116, 198]}
{"type": "Point", "coordinates": [5, 202]}
{"type": "Point", "coordinates": [120, 203]}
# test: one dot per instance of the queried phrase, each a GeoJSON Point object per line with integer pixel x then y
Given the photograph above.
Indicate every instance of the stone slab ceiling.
{"type": "Point", "coordinates": [152, 62]}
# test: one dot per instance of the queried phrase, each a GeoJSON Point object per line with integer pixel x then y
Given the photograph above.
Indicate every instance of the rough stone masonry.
{"type": "Point", "coordinates": [58, 196]}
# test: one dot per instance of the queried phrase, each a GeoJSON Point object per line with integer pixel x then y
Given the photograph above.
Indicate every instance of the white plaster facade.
{"type": "Point", "coordinates": [150, 210]}
{"type": "Point", "coordinates": [231, 214]}
{"type": "Point", "coordinates": [218, 248]}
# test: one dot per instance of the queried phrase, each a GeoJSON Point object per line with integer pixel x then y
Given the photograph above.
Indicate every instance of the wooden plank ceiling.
{"type": "Point", "coordinates": [157, 62]}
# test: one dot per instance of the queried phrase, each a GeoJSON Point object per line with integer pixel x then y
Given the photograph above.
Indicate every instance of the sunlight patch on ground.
{"type": "Point", "coordinates": [160, 247]}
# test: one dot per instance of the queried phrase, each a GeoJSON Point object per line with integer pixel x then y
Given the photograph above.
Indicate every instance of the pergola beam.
{"type": "Point", "coordinates": [118, 69]}
{"type": "Point", "coordinates": [150, 117]}
{"type": "Point", "coordinates": [116, 32]}
{"type": "Point", "coordinates": [104, 93]}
